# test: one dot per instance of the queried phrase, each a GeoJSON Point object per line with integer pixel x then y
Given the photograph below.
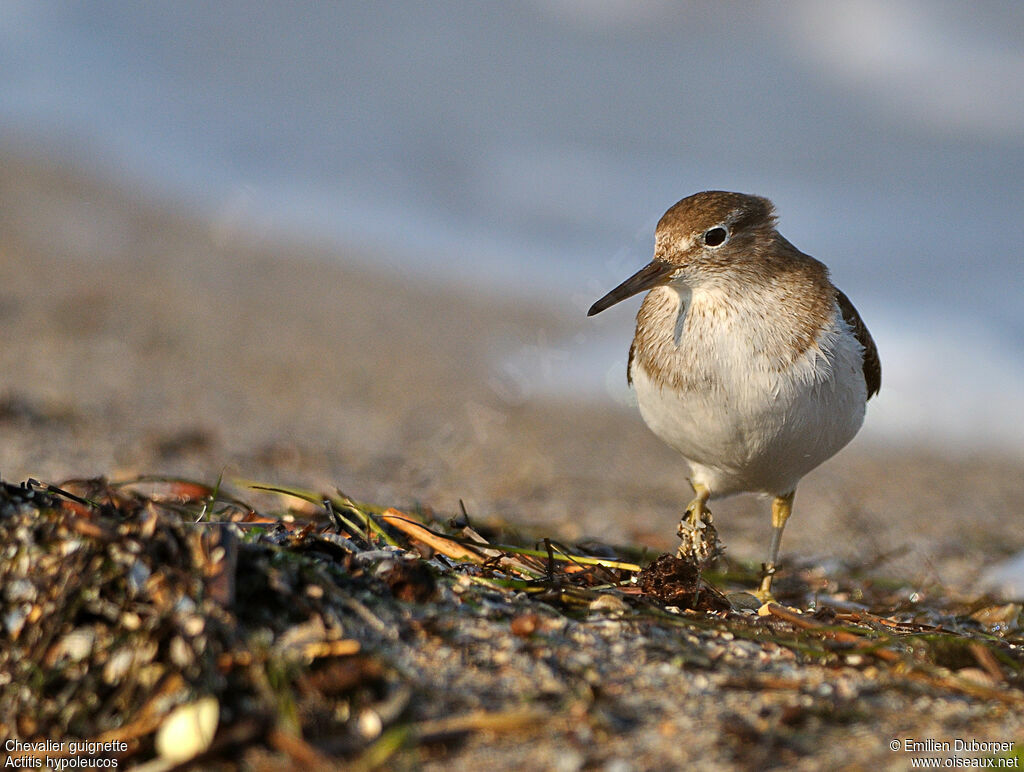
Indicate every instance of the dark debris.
{"type": "Point", "coordinates": [349, 635]}
{"type": "Point", "coordinates": [677, 582]}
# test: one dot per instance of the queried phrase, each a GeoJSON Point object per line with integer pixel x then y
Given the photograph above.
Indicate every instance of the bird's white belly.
{"type": "Point", "coordinates": [755, 429]}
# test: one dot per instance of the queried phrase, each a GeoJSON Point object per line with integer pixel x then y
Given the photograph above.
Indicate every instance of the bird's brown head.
{"type": "Point", "coordinates": [708, 234]}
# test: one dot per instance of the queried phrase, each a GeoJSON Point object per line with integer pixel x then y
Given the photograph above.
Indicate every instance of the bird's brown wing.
{"type": "Point", "coordinates": [629, 362]}
{"type": "Point", "coordinates": [872, 364]}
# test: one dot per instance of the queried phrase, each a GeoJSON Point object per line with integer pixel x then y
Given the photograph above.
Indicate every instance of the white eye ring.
{"type": "Point", "coordinates": [715, 237]}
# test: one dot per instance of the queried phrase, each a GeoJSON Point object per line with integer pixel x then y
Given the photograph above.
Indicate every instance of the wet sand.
{"type": "Point", "coordinates": [142, 338]}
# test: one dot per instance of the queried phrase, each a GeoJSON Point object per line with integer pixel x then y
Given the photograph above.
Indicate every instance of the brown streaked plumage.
{"type": "Point", "coordinates": [746, 358]}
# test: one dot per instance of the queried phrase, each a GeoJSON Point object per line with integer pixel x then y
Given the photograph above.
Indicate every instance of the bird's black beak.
{"type": "Point", "coordinates": [651, 275]}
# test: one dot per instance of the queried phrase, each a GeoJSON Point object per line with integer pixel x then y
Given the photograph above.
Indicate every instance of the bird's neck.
{"type": "Point", "coordinates": [686, 334]}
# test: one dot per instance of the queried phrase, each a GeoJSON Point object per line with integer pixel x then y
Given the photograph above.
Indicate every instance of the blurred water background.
{"type": "Point", "coordinates": [529, 148]}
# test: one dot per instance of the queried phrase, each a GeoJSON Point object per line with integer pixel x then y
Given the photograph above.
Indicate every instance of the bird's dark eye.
{"type": "Point", "coordinates": [715, 236]}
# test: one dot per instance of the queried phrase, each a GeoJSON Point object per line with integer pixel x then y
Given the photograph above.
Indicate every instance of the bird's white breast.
{"type": "Point", "coordinates": [746, 417]}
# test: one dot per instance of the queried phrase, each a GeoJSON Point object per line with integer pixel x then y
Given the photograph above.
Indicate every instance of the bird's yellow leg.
{"type": "Point", "coordinates": [697, 508]}
{"type": "Point", "coordinates": [782, 508]}
{"type": "Point", "coordinates": [692, 523]}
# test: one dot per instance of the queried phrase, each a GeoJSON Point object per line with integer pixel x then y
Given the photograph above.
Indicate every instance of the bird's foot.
{"type": "Point", "coordinates": [698, 538]}
{"type": "Point", "coordinates": [764, 592]}
{"type": "Point", "coordinates": [765, 596]}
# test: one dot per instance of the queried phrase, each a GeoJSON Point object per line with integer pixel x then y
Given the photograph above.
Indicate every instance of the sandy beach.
{"type": "Point", "coordinates": [139, 337]}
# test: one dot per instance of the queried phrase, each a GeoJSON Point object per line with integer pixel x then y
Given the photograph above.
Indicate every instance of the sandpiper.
{"type": "Point", "coordinates": [746, 358]}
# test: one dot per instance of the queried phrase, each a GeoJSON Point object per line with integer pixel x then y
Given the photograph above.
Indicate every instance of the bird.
{"type": "Point", "coordinates": [747, 360]}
